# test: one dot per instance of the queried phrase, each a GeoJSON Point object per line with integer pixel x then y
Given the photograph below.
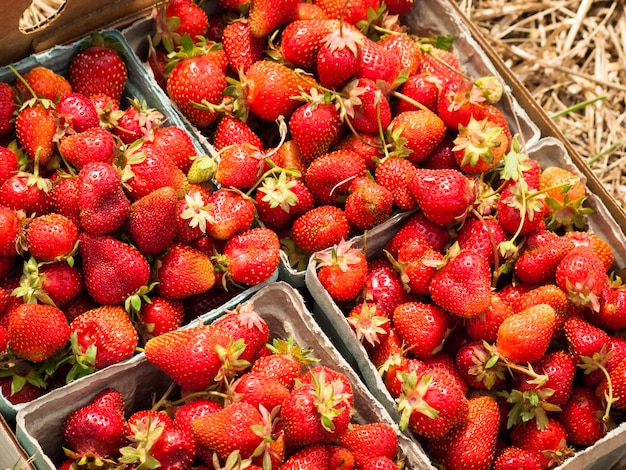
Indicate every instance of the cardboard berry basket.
{"type": "Point", "coordinates": [280, 305]}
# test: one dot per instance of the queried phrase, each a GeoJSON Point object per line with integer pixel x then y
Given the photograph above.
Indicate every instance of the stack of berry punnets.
{"type": "Point", "coordinates": [139, 86]}
{"type": "Point", "coordinates": [284, 311]}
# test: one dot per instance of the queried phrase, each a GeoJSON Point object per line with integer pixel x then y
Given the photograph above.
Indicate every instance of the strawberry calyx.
{"type": "Point", "coordinates": [529, 405]}
{"type": "Point", "coordinates": [83, 361]}
{"type": "Point", "coordinates": [31, 288]}
{"type": "Point", "coordinates": [367, 325]}
{"type": "Point", "coordinates": [342, 255]}
{"type": "Point", "coordinates": [330, 399]}
{"type": "Point", "coordinates": [144, 433]}
{"type": "Point", "coordinates": [234, 461]}
{"type": "Point", "coordinates": [196, 212]}
{"type": "Point", "coordinates": [231, 362]}
{"type": "Point", "coordinates": [412, 398]}
{"type": "Point", "coordinates": [486, 368]}
{"type": "Point", "coordinates": [290, 347]}
{"type": "Point", "coordinates": [278, 191]}
{"type": "Point", "coordinates": [477, 141]}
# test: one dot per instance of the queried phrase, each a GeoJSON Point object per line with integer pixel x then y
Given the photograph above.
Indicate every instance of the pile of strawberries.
{"type": "Point", "coordinates": [105, 242]}
{"type": "Point", "coordinates": [245, 403]}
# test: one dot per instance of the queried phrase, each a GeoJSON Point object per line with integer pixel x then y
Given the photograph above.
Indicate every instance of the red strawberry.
{"type": "Point", "coordinates": [301, 40]}
{"type": "Point", "coordinates": [368, 321]}
{"type": "Point", "coordinates": [175, 352]}
{"type": "Point", "coordinates": [51, 237]}
{"type": "Point", "coordinates": [420, 132]}
{"type": "Point", "coordinates": [328, 177]}
{"type": "Point", "coordinates": [241, 47]}
{"type": "Point", "coordinates": [422, 326]}
{"type": "Point", "coordinates": [152, 221]}
{"type": "Point", "coordinates": [369, 441]}
{"type": "Point", "coordinates": [581, 417]}
{"type": "Point", "coordinates": [229, 213]}
{"type": "Point", "coordinates": [232, 130]}
{"type": "Point", "coordinates": [98, 69]}
{"type": "Point", "coordinates": [245, 323]}
{"type": "Point", "coordinates": [480, 146]}
{"type": "Point", "coordinates": [9, 164]}
{"type": "Point", "coordinates": [582, 276]}
{"type": "Point", "coordinates": [368, 203]}
{"type": "Point", "coordinates": [612, 315]}
{"type": "Point", "coordinates": [188, 412]}
{"type": "Point", "coordinates": [549, 443]}
{"type": "Point", "coordinates": [161, 315]}
{"type": "Point", "coordinates": [458, 102]}
{"type": "Point", "coordinates": [520, 209]}
{"type": "Point", "coordinates": [250, 257]}
{"type": "Point", "coordinates": [267, 15]}
{"type": "Point", "coordinates": [11, 230]}
{"type": "Point", "coordinates": [239, 166]}
{"type": "Point", "coordinates": [417, 88]}
{"type": "Point", "coordinates": [598, 245]}
{"type": "Point", "coordinates": [77, 112]}
{"type": "Point", "coordinates": [418, 225]}
{"type": "Point", "coordinates": [342, 271]}
{"type": "Point", "coordinates": [7, 108]}
{"type": "Point", "coordinates": [314, 127]}
{"type": "Point", "coordinates": [285, 362]}
{"type": "Point", "coordinates": [61, 282]}
{"type": "Point", "coordinates": [311, 457]}
{"type": "Point", "coordinates": [183, 271]}
{"type": "Point", "coordinates": [109, 330]}
{"type": "Point", "coordinates": [525, 336]}
{"type": "Point", "coordinates": [463, 285]}
{"type": "Point", "coordinates": [471, 444]}
{"type": "Point", "coordinates": [103, 205]}
{"type": "Point", "coordinates": [44, 82]}
{"type": "Point", "coordinates": [431, 404]}
{"type": "Point", "coordinates": [513, 458]}
{"type": "Point", "coordinates": [585, 340]}
{"type": "Point", "coordinates": [113, 270]}
{"type": "Point", "coordinates": [444, 196]}
{"type": "Point", "coordinates": [137, 121]}
{"type": "Point", "coordinates": [180, 17]}
{"type": "Point", "coordinates": [473, 362]}
{"type": "Point", "coordinates": [320, 228]}
{"type": "Point", "coordinates": [28, 192]}
{"type": "Point", "coordinates": [37, 331]}
{"type": "Point", "coordinates": [337, 57]}
{"type": "Point", "coordinates": [368, 146]}
{"type": "Point", "coordinates": [95, 144]}
{"type": "Point", "coordinates": [417, 264]}
{"type": "Point", "coordinates": [27, 393]}
{"type": "Point", "coordinates": [280, 200]}
{"type": "Point", "coordinates": [367, 107]}
{"type": "Point", "coordinates": [384, 287]}
{"type": "Point", "coordinates": [177, 144]}
{"type": "Point", "coordinates": [377, 63]}
{"type": "Point", "coordinates": [64, 197]}
{"type": "Point", "coordinates": [97, 429]}
{"type": "Point", "coordinates": [352, 11]}
{"type": "Point", "coordinates": [617, 378]}
{"type": "Point", "coordinates": [483, 236]}
{"type": "Point", "coordinates": [407, 49]}
{"type": "Point", "coordinates": [258, 389]}
{"type": "Point", "coordinates": [35, 127]}
{"type": "Point", "coordinates": [537, 262]}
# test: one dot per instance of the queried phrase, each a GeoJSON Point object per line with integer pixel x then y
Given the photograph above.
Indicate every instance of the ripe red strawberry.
{"type": "Point", "coordinates": [97, 429]}
{"type": "Point", "coordinates": [280, 200]}
{"type": "Point", "coordinates": [463, 285]}
{"type": "Point", "coordinates": [520, 209]}
{"type": "Point", "coordinates": [472, 360]}
{"type": "Point", "coordinates": [612, 315]}
{"type": "Point", "coordinates": [307, 418]}
{"type": "Point", "coordinates": [471, 444]}
{"type": "Point", "coordinates": [582, 276]}
{"type": "Point", "coordinates": [418, 88]}
{"type": "Point", "coordinates": [103, 204]}
{"type": "Point", "coordinates": [109, 330]}
{"type": "Point", "coordinates": [368, 320]}
{"type": "Point", "coordinates": [11, 229]}
{"type": "Point", "coordinates": [51, 237]}
{"type": "Point", "coordinates": [239, 166]}
{"type": "Point", "coordinates": [617, 378]}
{"type": "Point", "coordinates": [175, 352]}
{"type": "Point", "coordinates": [313, 457]}
{"type": "Point", "coordinates": [177, 18]}
{"type": "Point", "coordinates": [549, 443]}
{"type": "Point", "coordinates": [113, 270]}
{"type": "Point", "coordinates": [161, 315]}
{"type": "Point", "coordinates": [599, 246]}
{"type": "Point", "coordinates": [352, 12]}
{"type": "Point", "coordinates": [482, 236]}
{"type": "Point", "coordinates": [420, 132]}
{"type": "Point", "coordinates": [525, 336]}
{"type": "Point", "coordinates": [367, 107]}
{"type": "Point", "coordinates": [267, 15]}
{"type": "Point", "coordinates": [418, 225]}
{"type": "Point", "coordinates": [64, 198]}
{"type": "Point", "coordinates": [188, 412]}
{"type": "Point", "coordinates": [285, 361]}
{"type": "Point", "coordinates": [368, 203]}
{"type": "Point", "coordinates": [229, 213]}
{"type": "Point", "coordinates": [537, 262]}
{"type": "Point", "coordinates": [301, 39]}
{"type": "Point", "coordinates": [337, 57]}
{"type": "Point", "coordinates": [422, 326]}
{"type": "Point", "coordinates": [15, 395]}
{"type": "Point", "coordinates": [394, 173]}
{"type": "Point", "coordinates": [406, 49]}
{"type": "Point", "coordinates": [7, 108]}
{"type": "Point", "coordinates": [269, 88]}
{"type": "Point", "coordinates": [177, 144]}
{"type": "Point", "coordinates": [9, 164]}
{"type": "Point", "coordinates": [245, 323]}
{"type": "Point", "coordinates": [384, 287]}
{"type": "Point", "coordinates": [152, 221]}
{"type": "Point", "coordinates": [250, 257]}
{"type": "Point", "coordinates": [44, 82]}
{"type": "Point", "coordinates": [229, 429]}
{"type": "Point", "coordinates": [547, 294]}
{"type": "Point", "coordinates": [98, 69]}
{"type": "Point", "coordinates": [417, 264]}
{"type": "Point", "coordinates": [444, 196]}
{"type": "Point", "coordinates": [35, 127]}
{"type": "Point", "coordinates": [512, 458]}
{"type": "Point", "coordinates": [137, 121]}
{"type": "Point", "coordinates": [61, 282]}
{"type": "Point", "coordinates": [94, 144]}
{"type": "Point", "coordinates": [241, 47]}
{"type": "Point", "coordinates": [342, 271]}
{"type": "Point", "coordinates": [329, 176]}
{"type": "Point", "coordinates": [77, 112]}
{"type": "Point", "coordinates": [148, 168]}
{"type": "Point", "coordinates": [258, 389]}
{"type": "Point", "coordinates": [377, 63]}
{"type": "Point", "coordinates": [581, 417]}
{"type": "Point", "coordinates": [37, 331]}
{"type": "Point", "coordinates": [431, 404]}
{"type": "Point", "coordinates": [314, 127]}
{"type": "Point", "coordinates": [320, 228]}
{"type": "Point", "coordinates": [584, 339]}
{"type": "Point", "coordinates": [369, 441]}
{"type": "Point", "coordinates": [183, 271]}
{"type": "Point", "coordinates": [232, 130]}
{"type": "Point", "coordinates": [28, 192]}
{"type": "Point", "coordinates": [198, 77]}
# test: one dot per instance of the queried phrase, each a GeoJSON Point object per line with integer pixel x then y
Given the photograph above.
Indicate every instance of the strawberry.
{"type": "Point", "coordinates": [366, 106]}
{"type": "Point", "coordinates": [513, 458]}
{"type": "Point", "coordinates": [463, 285]}
{"type": "Point", "coordinates": [61, 282]}
{"type": "Point", "coordinates": [9, 164]}
{"type": "Point", "coordinates": [441, 64]}
{"type": "Point", "coordinates": [420, 132]}
{"type": "Point", "coordinates": [352, 11]}
{"type": "Point", "coordinates": [196, 78]}
{"type": "Point", "coordinates": [369, 441]}
{"type": "Point", "coordinates": [241, 47]}
{"type": "Point", "coordinates": [520, 209]}
{"type": "Point", "coordinates": [368, 146]}
{"type": "Point", "coordinates": [368, 321]}
{"type": "Point", "coordinates": [250, 257]}
{"type": "Point", "coordinates": [423, 327]}
{"type": "Point", "coordinates": [471, 444]}
{"type": "Point", "coordinates": [232, 130]}
{"type": "Point", "coordinates": [44, 82]}
{"type": "Point", "coordinates": [431, 404]}
{"type": "Point", "coordinates": [11, 230]}
{"type": "Point", "coordinates": [547, 294]}
{"type": "Point", "coordinates": [525, 336]}
{"type": "Point", "coordinates": [177, 144]}
{"type": "Point", "coordinates": [473, 363]}
{"type": "Point", "coordinates": [98, 69]}
{"type": "Point", "coordinates": [37, 331]}
{"type": "Point", "coordinates": [549, 443]}
{"type": "Point", "coordinates": [418, 88]}
{"type": "Point", "coordinates": [239, 166]}
{"type": "Point", "coordinates": [582, 276]}
{"type": "Point", "coordinates": [77, 112]}
{"type": "Point", "coordinates": [342, 271]}
{"type": "Point", "coordinates": [152, 221]}
{"type": "Point", "coordinates": [137, 121]}
{"type": "Point", "coordinates": [318, 118]}
{"type": "Point", "coordinates": [229, 213]}
{"type": "Point", "coordinates": [585, 340]}
{"type": "Point", "coordinates": [95, 144]}
{"type": "Point", "coordinates": [307, 418]}
{"type": "Point", "coordinates": [368, 203]}
{"type": "Point", "coordinates": [258, 389]}
{"type": "Point", "coordinates": [175, 352]}
{"type": "Point", "coordinates": [161, 315]}
{"type": "Point", "coordinates": [103, 204]}
{"type": "Point", "coordinates": [269, 88]}
{"type": "Point", "coordinates": [313, 457]}
{"type": "Point", "coordinates": [192, 213]}
{"type": "Point", "coordinates": [444, 196]}
{"type": "Point", "coordinates": [27, 393]}
{"type": "Point", "coordinates": [35, 128]}
{"type": "Point", "coordinates": [483, 236]}
{"type": "Point", "coordinates": [183, 271]}
{"type": "Point", "coordinates": [245, 323]}
{"type": "Point", "coordinates": [581, 417]}
{"type": "Point", "coordinates": [615, 383]}
{"type": "Point", "coordinates": [113, 270]}
{"type": "Point", "coordinates": [394, 174]}
{"type": "Point", "coordinates": [109, 331]}
{"type": "Point", "coordinates": [51, 237]}
{"type": "Point", "coordinates": [337, 56]}
{"type": "Point", "coordinates": [146, 168]}
{"type": "Point", "coordinates": [377, 63]}
{"type": "Point", "coordinates": [179, 17]}
{"type": "Point", "coordinates": [599, 246]}
{"type": "Point", "coordinates": [418, 225]}
{"type": "Point", "coordinates": [328, 177]}
{"type": "Point", "coordinates": [458, 102]}
{"type": "Point", "coordinates": [98, 428]}
{"type": "Point", "coordinates": [229, 429]}
{"type": "Point", "coordinates": [406, 49]}
{"type": "Point", "coordinates": [64, 197]}
{"type": "Point", "coordinates": [479, 146]}
{"type": "Point", "coordinates": [612, 315]}
{"type": "Point", "coordinates": [384, 287]}
{"type": "Point", "coordinates": [188, 412]}
{"type": "Point", "coordinates": [28, 192]}
{"type": "Point", "coordinates": [537, 262]}
{"type": "Point", "coordinates": [302, 39]}
{"type": "Point", "coordinates": [280, 200]}
{"type": "Point", "coordinates": [320, 228]}
{"type": "Point", "coordinates": [267, 15]}
{"type": "Point", "coordinates": [7, 108]}
{"type": "Point", "coordinates": [285, 362]}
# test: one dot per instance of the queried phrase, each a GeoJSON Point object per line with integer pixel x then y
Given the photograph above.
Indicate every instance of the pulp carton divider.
{"type": "Point", "coordinates": [279, 304]}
